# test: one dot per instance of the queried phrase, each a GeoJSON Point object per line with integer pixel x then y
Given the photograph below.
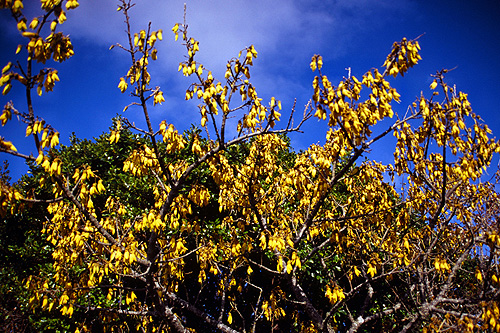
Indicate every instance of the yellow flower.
{"type": "Point", "coordinates": [6, 68]}
{"type": "Point", "coordinates": [18, 5]}
{"type": "Point", "coordinates": [122, 85]}
{"type": "Point", "coordinates": [158, 97]}
{"type": "Point", "coordinates": [320, 62]}
{"type": "Point", "coordinates": [62, 17]}
{"type": "Point", "coordinates": [372, 270]}
{"type": "Point", "coordinates": [50, 80]}
{"type": "Point", "coordinates": [21, 25]}
{"type": "Point", "coordinates": [7, 145]}
{"type": "Point", "coordinates": [34, 23]}
{"type": "Point", "coordinates": [6, 89]}
{"type": "Point", "coordinates": [72, 4]}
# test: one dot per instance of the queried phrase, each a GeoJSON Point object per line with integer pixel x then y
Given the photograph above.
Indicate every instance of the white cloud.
{"type": "Point", "coordinates": [225, 27]}
{"type": "Point", "coordinates": [285, 33]}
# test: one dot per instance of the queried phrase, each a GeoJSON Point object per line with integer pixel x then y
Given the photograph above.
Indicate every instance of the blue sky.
{"type": "Point", "coordinates": [347, 33]}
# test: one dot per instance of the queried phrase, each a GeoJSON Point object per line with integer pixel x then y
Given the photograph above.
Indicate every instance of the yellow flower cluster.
{"type": "Point", "coordinates": [199, 195]}
{"type": "Point", "coordinates": [441, 265]}
{"type": "Point", "coordinates": [14, 5]}
{"type": "Point", "coordinates": [271, 308]}
{"type": "Point", "coordinates": [491, 317]}
{"type": "Point", "coordinates": [316, 62]}
{"type": "Point", "coordinates": [143, 49]}
{"type": "Point", "coordinates": [217, 97]}
{"type": "Point", "coordinates": [47, 80]}
{"type": "Point", "coordinates": [175, 142]}
{"type": "Point", "coordinates": [140, 162]}
{"type": "Point", "coordinates": [352, 118]}
{"type": "Point", "coordinates": [8, 195]}
{"type": "Point", "coordinates": [403, 56]}
{"type": "Point", "coordinates": [6, 80]}
{"type": "Point", "coordinates": [7, 145]}
{"type": "Point", "coordinates": [56, 45]}
{"type": "Point", "coordinates": [335, 294]}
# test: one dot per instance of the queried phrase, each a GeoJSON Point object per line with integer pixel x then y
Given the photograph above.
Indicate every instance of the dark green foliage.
{"type": "Point", "coordinates": [23, 248]}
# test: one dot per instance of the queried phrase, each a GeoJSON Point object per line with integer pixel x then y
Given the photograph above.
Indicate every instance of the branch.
{"type": "Point", "coordinates": [15, 153]}
{"type": "Point", "coordinates": [301, 296]}
{"type": "Point", "coordinates": [113, 310]}
{"type": "Point", "coordinates": [191, 308]}
{"type": "Point", "coordinates": [361, 321]}
{"type": "Point", "coordinates": [47, 201]}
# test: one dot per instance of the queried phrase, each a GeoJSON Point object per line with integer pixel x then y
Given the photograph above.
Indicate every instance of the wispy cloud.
{"type": "Point", "coordinates": [291, 28]}
{"type": "Point", "coordinates": [285, 33]}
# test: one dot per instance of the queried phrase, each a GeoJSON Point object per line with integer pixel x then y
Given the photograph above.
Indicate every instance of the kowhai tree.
{"type": "Point", "coordinates": [238, 233]}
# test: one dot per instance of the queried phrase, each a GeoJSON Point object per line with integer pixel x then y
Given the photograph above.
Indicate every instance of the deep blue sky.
{"type": "Point", "coordinates": [347, 33]}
